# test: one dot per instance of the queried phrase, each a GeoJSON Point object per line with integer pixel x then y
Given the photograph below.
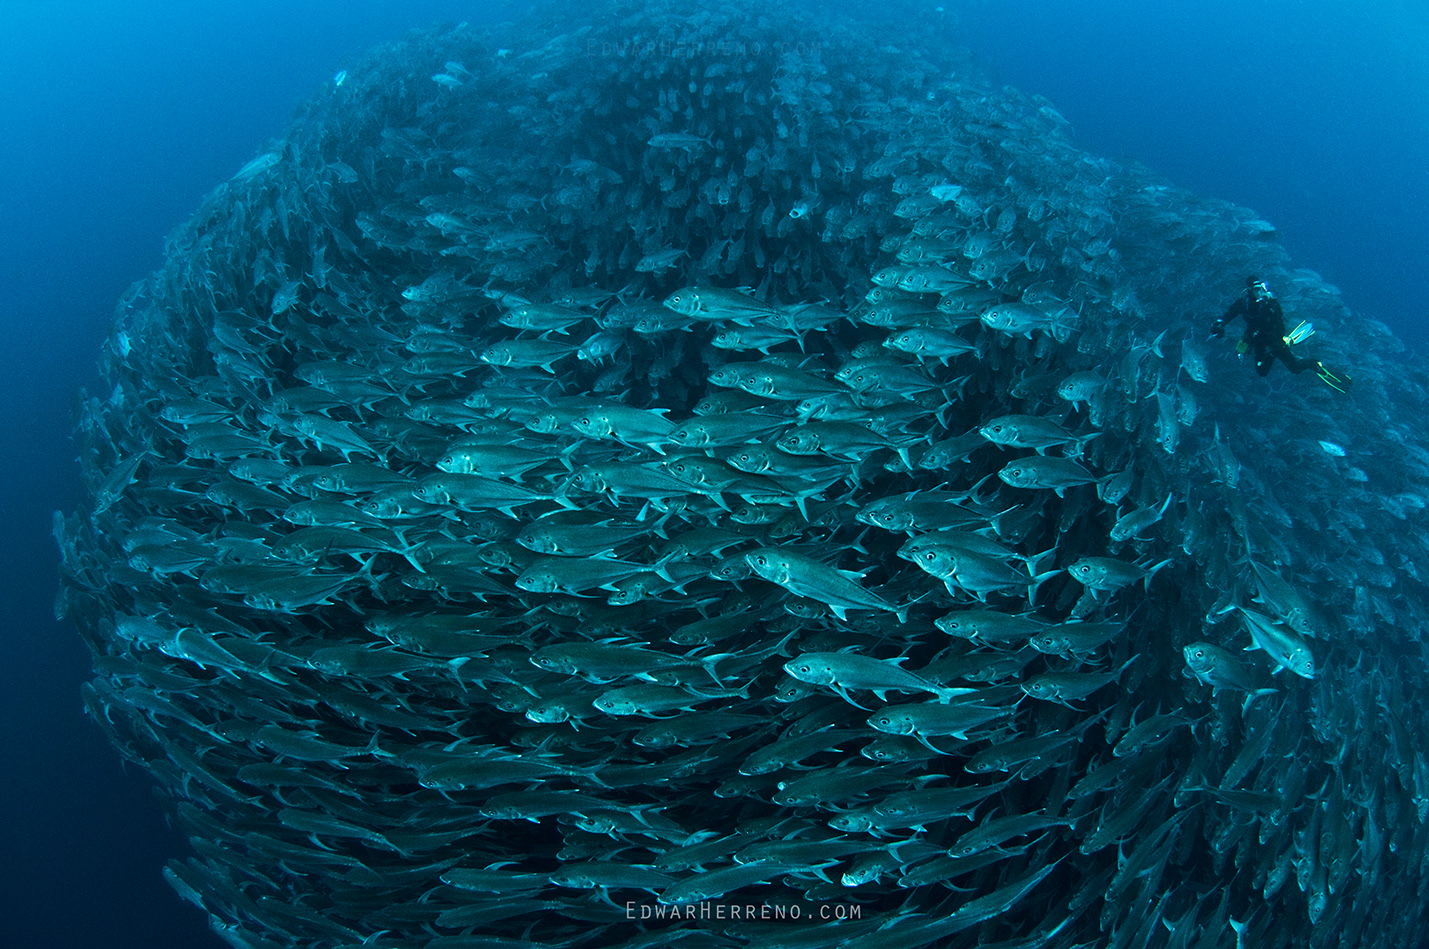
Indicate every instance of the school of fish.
{"type": "Point", "coordinates": [673, 455]}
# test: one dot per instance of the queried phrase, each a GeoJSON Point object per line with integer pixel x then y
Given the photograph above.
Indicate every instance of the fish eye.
{"type": "Point", "coordinates": [929, 556]}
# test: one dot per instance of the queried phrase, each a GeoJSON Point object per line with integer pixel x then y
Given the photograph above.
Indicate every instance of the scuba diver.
{"type": "Point", "coordinates": [1265, 334]}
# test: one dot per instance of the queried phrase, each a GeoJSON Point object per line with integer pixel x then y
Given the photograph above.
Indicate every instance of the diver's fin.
{"type": "Point", "coordinates": [1300, 333]}
{"type": "Point", "coordinates": [1338, 382]}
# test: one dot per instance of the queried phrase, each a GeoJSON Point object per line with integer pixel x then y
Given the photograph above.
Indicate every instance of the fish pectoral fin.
{"type": "Point", "coordinates": [843, 694]}
{"type": "Point", "coordinates": [923, 740]}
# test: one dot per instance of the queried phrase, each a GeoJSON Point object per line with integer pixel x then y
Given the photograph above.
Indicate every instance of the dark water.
{"type": "Point", "coordinates": [118, 117]}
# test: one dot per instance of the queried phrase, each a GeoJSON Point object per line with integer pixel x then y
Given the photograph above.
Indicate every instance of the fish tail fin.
{"type": "Point", "coordinates": [1254, 694]}
{"type": "Point", "coordinates": [902, 611]}
{"type": "Point", "coordinates": [1239, 929]}
{"type": "Point", "coordinates": [454, 667]}
{"type": "Point", "coordinates": [973, 491]}
{"type": "Point", "coordinates": [995, 521]}
{"type": "Point", "coordinates": [590, 774]}
{"type": "Point", "coordinates": [1146, 584]}
{"type": "Point", "coordinates": [942, 412]}
{"type": "Point", "coordinates": [1036, 584]}
{"type": "Point", "coordinates": [1037, 575]}
{"type": "Point", "coordinates": [1036, 561]}
{"type": "Point", "coordinates": [1156, 344]}
{"type": "Point", "coordinates": [407, 553]}
{"type": "Point", "coordinates": [857, 543]}
{"type": "Point", "coordinates": [708, 663]}
{"type": "Point", "coordinates": [660, 566]}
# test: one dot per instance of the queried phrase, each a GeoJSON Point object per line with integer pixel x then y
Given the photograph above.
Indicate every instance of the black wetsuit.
{"type": "Point", "coordinates": [1264, 332]}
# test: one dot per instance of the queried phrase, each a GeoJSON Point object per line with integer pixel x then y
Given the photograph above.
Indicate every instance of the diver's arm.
{"type": "Point", "coordinates": [1218, 328]}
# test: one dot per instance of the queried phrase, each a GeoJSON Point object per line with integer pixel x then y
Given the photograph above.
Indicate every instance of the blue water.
{"type": "Point", "coordinates": [1313, 113]}
{"type": "Point", "coordinates": [116, 117]}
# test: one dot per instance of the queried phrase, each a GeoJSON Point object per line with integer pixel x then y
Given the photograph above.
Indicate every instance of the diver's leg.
{"type": "Point", "coordinates": [1263, 359]}
{"type": "Point", "coordinates": [1292, 362]}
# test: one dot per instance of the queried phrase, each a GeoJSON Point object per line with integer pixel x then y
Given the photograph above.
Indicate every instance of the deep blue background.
{"type": "Point", "coordinates": [1315, 113]}
{"type": "Point", "coordinates": [116, 117]}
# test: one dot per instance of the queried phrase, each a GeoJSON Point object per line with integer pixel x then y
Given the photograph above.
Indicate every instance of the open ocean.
{"type": "Point", "coordinates": [118, 118]}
